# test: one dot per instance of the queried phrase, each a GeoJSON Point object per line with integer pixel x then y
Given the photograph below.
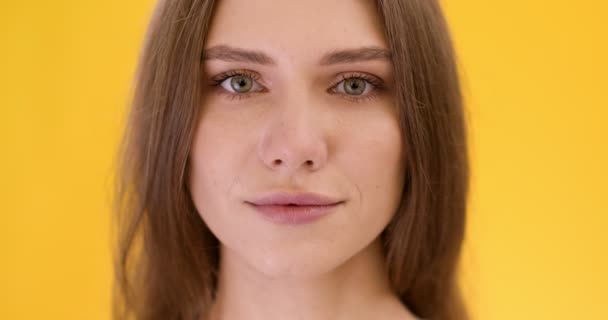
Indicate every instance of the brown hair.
{"type": "Point", "coordinates": [166, 257]}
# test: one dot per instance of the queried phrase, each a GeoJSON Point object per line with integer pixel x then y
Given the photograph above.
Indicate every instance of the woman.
{"type": "Point", "coordinates": [293, 160]}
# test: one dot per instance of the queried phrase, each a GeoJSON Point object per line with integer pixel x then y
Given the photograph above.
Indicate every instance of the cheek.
{"type": "Point", "coordinates": [208, 161]}
{"type": "Point", "coordinates": [222, 141]}
{"type": "Point", "coordinates": [215, 161]}
{"type": "Point", "coordinates": [372, 157]}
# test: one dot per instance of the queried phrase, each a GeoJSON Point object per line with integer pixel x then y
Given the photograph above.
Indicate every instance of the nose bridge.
{"type": "Point", "coordinates": [294, 136]}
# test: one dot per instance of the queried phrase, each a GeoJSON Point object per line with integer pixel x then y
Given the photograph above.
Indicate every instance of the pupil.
{"type": "Point", "coordinates": [241, 84]}
{"type": "Point", "coordinates": [355, 86]}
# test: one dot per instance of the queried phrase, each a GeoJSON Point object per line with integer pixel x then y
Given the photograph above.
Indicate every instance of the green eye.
{"type": "Point", "coordinates": [241, 84]}
{"type": "Point", "coordinates": [354, 86]}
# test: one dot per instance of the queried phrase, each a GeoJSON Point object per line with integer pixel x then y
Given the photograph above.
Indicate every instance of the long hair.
{"type": "Point", "coordinates": [167, 259]}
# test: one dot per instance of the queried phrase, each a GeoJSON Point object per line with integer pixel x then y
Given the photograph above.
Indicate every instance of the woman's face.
{"type": "Point", "coordinates": [297, 99]}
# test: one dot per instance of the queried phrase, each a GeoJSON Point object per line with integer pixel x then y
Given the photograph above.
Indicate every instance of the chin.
{"type": "Point", "coordinates": [296, 264]}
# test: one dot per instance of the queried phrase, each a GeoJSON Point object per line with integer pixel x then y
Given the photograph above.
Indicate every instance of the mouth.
{"type": "Point", "coordinates": [294, 209]}
{"type": "Point", "coordinates": [294, 214]}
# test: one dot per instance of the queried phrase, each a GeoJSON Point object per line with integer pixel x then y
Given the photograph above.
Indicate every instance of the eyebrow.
{"type": "Point", "coordinates": [355, 55]}
{"type": "Point", "coordinates": [232, 54]}
{"type": "Point", "coordinates": [228, 53]}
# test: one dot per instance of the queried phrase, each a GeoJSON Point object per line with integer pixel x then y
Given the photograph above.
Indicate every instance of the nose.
{"type": "Point", "coordinates": [293, 139]}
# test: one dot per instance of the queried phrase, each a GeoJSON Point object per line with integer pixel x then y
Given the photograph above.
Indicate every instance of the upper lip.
{"type": "Point", "coordinates": [300, 199]}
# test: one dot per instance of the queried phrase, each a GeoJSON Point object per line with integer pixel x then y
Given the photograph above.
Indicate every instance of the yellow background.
{"type": "Point", "coordinates": [534, 75]}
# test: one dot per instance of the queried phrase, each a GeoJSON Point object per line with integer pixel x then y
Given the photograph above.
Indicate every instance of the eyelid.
{"type": "Point", "coordinates": [373, 80]}
{"type": "Point", "coordinates": [217, 79]}
{"type": "Point", "coordinates": [377, 84]}
{"type": "Point", "coordinates": [226, 84]}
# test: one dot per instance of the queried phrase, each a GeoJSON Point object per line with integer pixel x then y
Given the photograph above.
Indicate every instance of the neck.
{"type": "Point", "coordinates": [358, 289]}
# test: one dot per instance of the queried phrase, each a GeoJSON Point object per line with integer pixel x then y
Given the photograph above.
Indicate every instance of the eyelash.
{"type": "Point", "coordinates": [377, 85]}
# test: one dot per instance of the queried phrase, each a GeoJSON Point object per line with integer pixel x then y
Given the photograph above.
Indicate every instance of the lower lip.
{"type": "Point", "coordinates": [294, 214]}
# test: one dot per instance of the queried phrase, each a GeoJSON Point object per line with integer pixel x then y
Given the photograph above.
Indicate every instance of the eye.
{"type": "Point", "coordinates": [358, 86]}
{"type": "Point", "coordinates": [354, 86]}
{"type": "Point", "coordinates": [240, 83]}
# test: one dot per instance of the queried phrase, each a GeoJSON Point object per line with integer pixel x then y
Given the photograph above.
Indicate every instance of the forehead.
{"type": "Point", "coordinates": [296, 29]}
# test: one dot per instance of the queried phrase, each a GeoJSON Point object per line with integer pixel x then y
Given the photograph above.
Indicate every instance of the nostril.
{"type": "Point", "coordinates": [277, 161]}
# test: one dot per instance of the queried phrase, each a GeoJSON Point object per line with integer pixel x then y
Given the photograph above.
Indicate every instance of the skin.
{"type": "Point", "coordinates": [297, 133]}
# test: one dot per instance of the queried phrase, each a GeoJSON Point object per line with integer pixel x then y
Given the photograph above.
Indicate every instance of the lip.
{"type": "Point", "coordinates": [294, 208]}
{"type": "Point", "coordinates": [300, 199]}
